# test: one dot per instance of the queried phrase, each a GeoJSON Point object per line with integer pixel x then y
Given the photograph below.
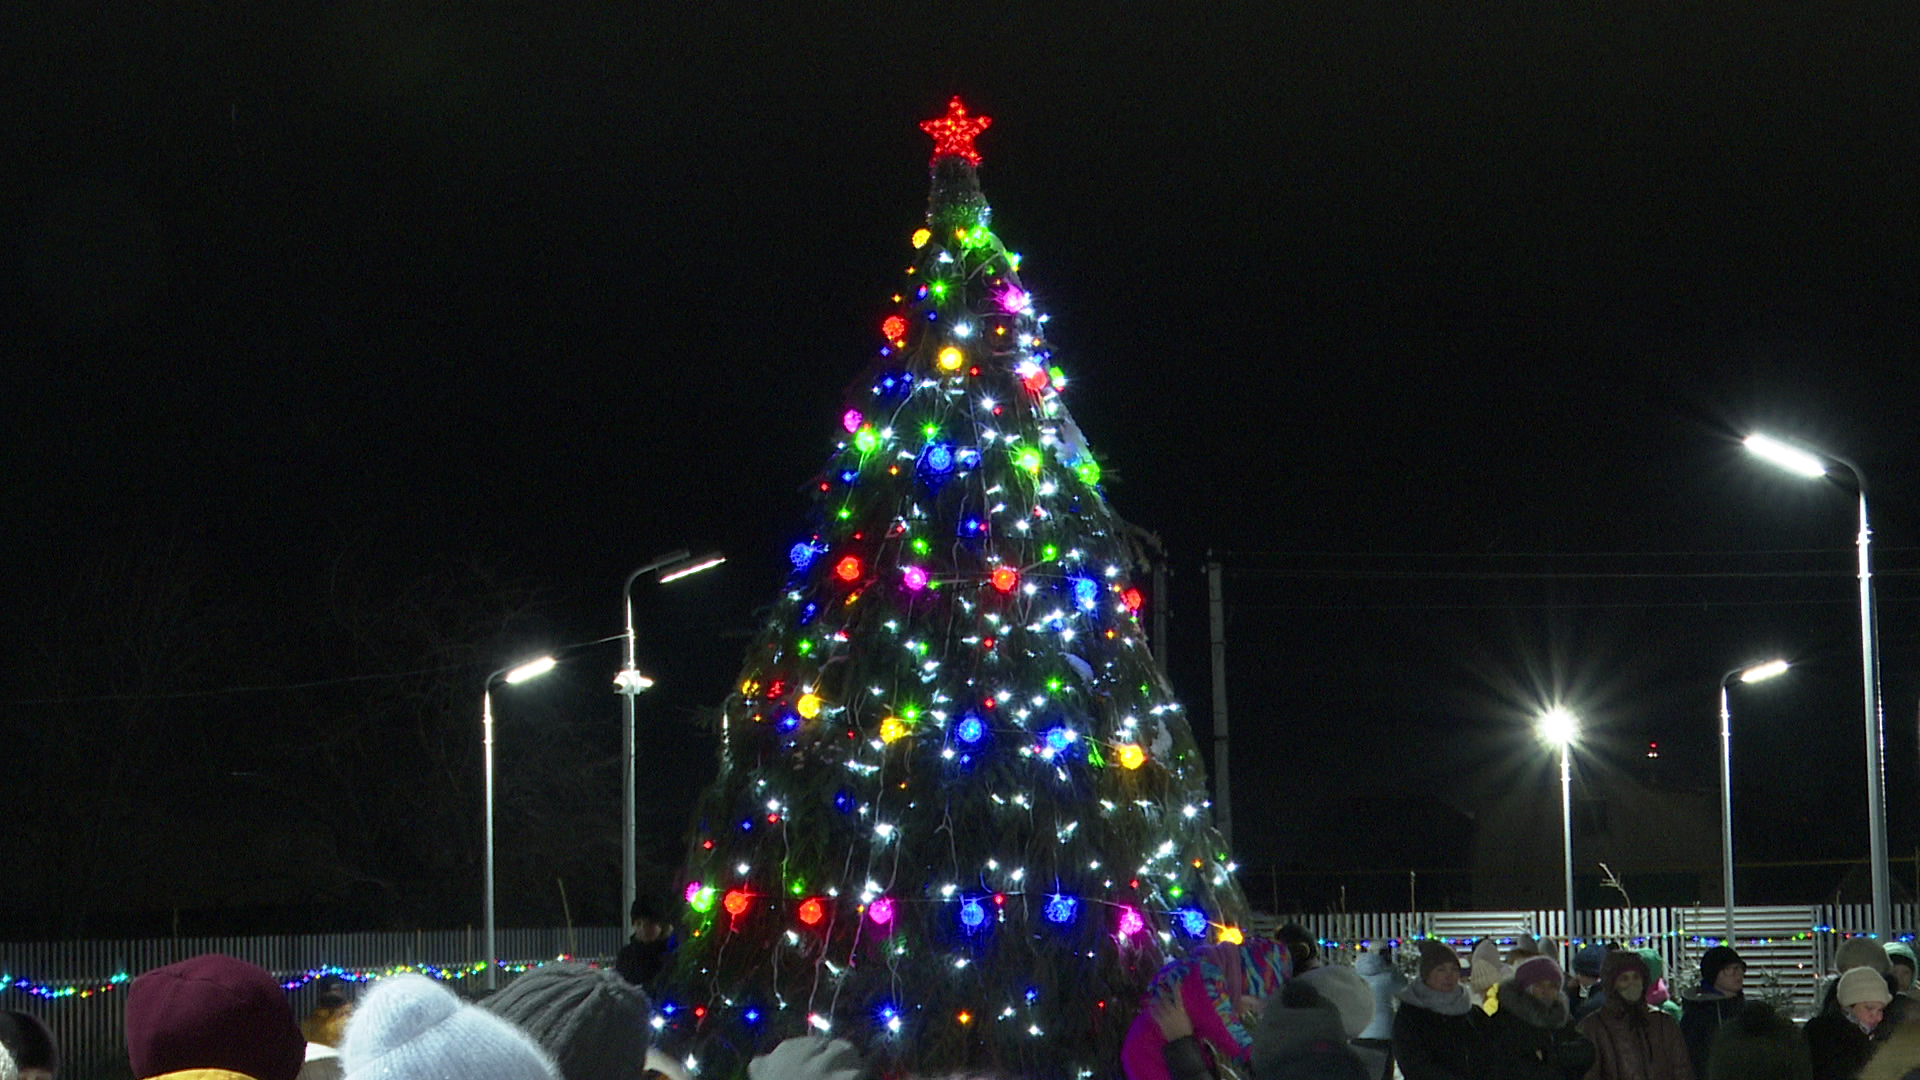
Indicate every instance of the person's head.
{"type": "Point", "coordinates": [1301, 943]}
{"type": "Point", "coordinates": [1540, 978]}
{"type": "Point", "coordinates": [1757, 1043]}
{"type": "Point", "coordinates": [1342, 987]}
{"type": "Point", "coordinates": [409, 1027]}
{"type": "Point", "coordinates": [1586, 964]}
{"type": "Point", "coordinates": [1624, 977]}
{"type": "Point", "coordinates": [592, 1021]}
{"type": "Point", "coordinates": [1863, 993]}
{"type": "Point", "coordinates": [1722, 971]}
{"type": "Point", "coordinates": [30, 1043]}
{"type": "Point", "coordinates": [1439, 965]}
{"type": "Point", "coordinates": [1900, 956]}
{"type": "Point", "coordinates": [1861, 952]}
{"type": "Point", "coordinates": [212, 1012]}
{"type": "Point", "coordinates": [648, 923]}
{"type": "Point", "coordinates": [1525, 947]}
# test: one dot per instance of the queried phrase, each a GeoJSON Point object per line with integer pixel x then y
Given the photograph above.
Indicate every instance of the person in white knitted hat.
{"type": "Point", "coordinates": [409, 1027]}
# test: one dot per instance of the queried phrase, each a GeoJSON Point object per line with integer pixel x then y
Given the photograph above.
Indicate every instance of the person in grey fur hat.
{"type": "Point", "coordinates": [409, 1027]}
{"type": "Point", "coordinates": [810, 1057]}
{"type": "Point", "coordinates": [592, 1021]}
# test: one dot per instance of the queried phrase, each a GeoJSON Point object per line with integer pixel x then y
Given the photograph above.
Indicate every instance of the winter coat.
{"type": "Point", "coordinates": [1633, 1041]}
{"type": "Point", "coordinates": [1527, 1040]}
{"type": "Point", "coordinates": [1837, 1045]}
{"type": "Point", "coordinates": [1385, 983]}
{"type": "Point", "coordinates": [1438, 1036]}
{"type": "Point", "coordinates": [1702, 1013]}
{"type": "Point", "coordinates": [1210, 983]}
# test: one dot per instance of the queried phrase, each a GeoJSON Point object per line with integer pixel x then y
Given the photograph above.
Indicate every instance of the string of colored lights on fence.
{"type": "Point", "coordinates": [59, 989]}
{"type": "Point", "coordinates": [1706, 940]}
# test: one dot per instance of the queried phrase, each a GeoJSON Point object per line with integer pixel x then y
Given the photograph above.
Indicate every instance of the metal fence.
{"type": "Point", "coordinates": [1788, 950]}
{"type": "Point", "coordinates": [79, 987]}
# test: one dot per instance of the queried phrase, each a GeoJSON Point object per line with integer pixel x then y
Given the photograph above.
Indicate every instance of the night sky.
{"type": "Point", "coordinates": [1437, 324]}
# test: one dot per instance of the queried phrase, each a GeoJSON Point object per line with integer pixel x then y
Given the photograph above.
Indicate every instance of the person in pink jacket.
{"type": "Point", "coordinates": [1220, 989]}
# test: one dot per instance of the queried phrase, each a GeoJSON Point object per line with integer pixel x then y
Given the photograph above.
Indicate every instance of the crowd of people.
{"type": "Point", "coordinates": [1516, 1015]}
{"type": "Point", "coordinates": [1262, 1009]}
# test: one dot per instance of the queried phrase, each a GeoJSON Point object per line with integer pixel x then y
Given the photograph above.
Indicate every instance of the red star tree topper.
{"type": "Point", "coordinates": [954, 133]}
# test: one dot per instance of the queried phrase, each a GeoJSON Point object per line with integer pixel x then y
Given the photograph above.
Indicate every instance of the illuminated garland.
{"type": "Point", "coordinates": [54, 990]}
{"type": "Point", "coordinates": [1364, 944]}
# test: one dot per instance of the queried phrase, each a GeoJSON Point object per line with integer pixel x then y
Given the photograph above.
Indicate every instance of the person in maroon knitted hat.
{"type": "Point", "coordinates": [212, 1017]}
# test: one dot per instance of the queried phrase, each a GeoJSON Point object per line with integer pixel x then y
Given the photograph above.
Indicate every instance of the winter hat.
{"type": "Point", "coordinates": [1621, 961]}
{"type": "Point", "coordinates": [25, 1037]}
{"type": "Point", "coordinates": [591, 1020]}
{"type": "Point", "coordinates": [809, 1057]}
{"type": "Point", "coordinates": [1301, 1037]}
{"type": "Point", "coordinates": [1526, 945]}
{"type": "Point", "coordinates": [1588, 960]}
{"type": "Point", "coordinates": [212, 1012]}
{"type": "Point", "coordinates": [1716, 960]}
{"type": "Point", "coordinates": [1433, 953]}
{"type": "Point", "coordinates": [1899, 952]}
{"type": "Point", "coordinates": [1538, 969]}
{"type": "Point", "coordinates": [1342, 987]}
{"type": "Point", "coordinates": [1861, 984]}
{"type": "Point", "coordinates": [1486, 970]}
{"type": "Point", "coordinates": [1862, 952]}
{"type": "Point", "coordinates": [409, 1027]}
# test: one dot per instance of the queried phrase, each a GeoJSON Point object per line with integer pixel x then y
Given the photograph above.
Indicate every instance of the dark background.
{"type": "Point", "coordinates": [377, 342]}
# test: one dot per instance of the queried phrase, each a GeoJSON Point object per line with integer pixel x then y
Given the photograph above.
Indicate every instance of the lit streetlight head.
{"type": "Point", "coordinates": [1559, 726]}
{"type": "Point", "coordinates": [1762, 672]}
{"type": "Point", "coordinates": [1791, 458]}
{"type": "Point", "coordinates": [686, 567]}
{"type": "Point", "coordinates": [630, 681]}
{"type": "Point", "coordinates": [532, 669]}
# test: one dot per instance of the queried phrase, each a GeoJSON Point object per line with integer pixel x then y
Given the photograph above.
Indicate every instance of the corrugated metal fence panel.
{"type": "Point", "coordinates": [1784, 961]}
{"type": "Point", "coordinates": [89, 1028]}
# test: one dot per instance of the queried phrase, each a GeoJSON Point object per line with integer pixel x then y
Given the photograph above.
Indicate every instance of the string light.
{"type": "Point", "coordinates": [953, 134]}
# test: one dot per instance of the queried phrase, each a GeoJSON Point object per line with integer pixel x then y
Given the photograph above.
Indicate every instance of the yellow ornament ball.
{"type": "Point", "coordinates": [951, 359]}
{"type": "Point", "coordinates": [892, 728]}
{"type": "Point", "coordinates": [809, 705]}
{"type": "Point", "coordinates": [921, 236]}
{"type": "Point", "coordinates": [1231, 935]}
{"type": "Point", "coordinates": [1131, 756]}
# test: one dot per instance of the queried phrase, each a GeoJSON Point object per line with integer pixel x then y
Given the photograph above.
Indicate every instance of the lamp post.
{"type": "Point", "coordinates": [1813, 466]}
{"type": "Point", "coordinates": [1756, 673]}
{"type": "Point", "coordinates": [517, 673]}
{"type": "Point", "coordinates": [1560, 727]}
{"type": "Point", "coordinates": [628, 683]}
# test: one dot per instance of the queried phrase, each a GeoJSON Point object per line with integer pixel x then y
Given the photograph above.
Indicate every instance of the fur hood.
{"type": "Point", "coordinates": [1527, 1008]}
{"type": "Point", "coordinates": [1898, 1057]}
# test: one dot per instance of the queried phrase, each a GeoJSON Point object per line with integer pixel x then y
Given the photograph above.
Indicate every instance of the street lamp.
{"type": "Point", "coordinates": [512, 675]}
{"type": "Point", "coordinates": [1813, 466]}
{"type": "Point", "coordinates": [628, 683]}
{"type": "Point", "coordinates": [1756, 673]}
{"type": "Point", "coordinates": [1558, 726]}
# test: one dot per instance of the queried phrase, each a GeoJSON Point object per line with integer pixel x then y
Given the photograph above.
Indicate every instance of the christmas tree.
{"type": "Point", "coordinates": [959, 818]}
